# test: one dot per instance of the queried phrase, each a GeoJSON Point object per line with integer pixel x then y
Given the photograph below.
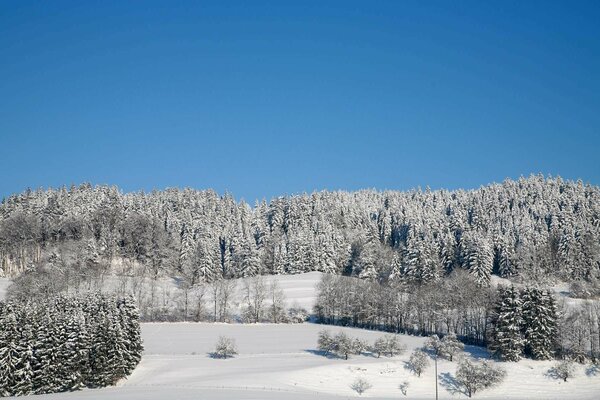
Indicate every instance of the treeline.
{"type": "Point", "coordinates": [457, 305]}
{"type": "Point", "coordinates": [532, 229]}
{"type": "Point", "coordinates": [67, 343]}
{"type": "Point", "coordinates": [511, 322]}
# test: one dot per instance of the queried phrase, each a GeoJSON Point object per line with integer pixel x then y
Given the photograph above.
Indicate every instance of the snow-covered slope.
{"type": "Point", "coordinates": [4, 284]}
{"type": "Point", "coordinates": [279, 362]}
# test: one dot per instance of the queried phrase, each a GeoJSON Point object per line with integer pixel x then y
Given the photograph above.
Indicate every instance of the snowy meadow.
{"type": "Point", "coordinates": [282, 361]}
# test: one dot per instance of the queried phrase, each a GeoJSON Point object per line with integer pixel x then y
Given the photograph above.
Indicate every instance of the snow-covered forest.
{"type": "Point", "coordinates": [533, 229]}
{"type": "Point", "coordinates": [64, 343]}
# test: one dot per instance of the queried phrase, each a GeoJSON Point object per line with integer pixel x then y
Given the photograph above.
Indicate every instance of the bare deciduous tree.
{"type": "Point", "coordinates": [360, 385]}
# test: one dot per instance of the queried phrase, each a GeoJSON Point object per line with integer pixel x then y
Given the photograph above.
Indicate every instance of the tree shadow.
{"type": "Point", "coordinates": [553, 373]}
{"type": "Point", "coordinates": [373, 355]}
{"type": "Point", "coordinates": [218, 356]}
{"type": "Point", "coordinates": [477, 352]}
{"type": "Point", "coordinates": [321, 353]}
{"type": "Point", "coordinates": [451, 384]}
{"type": "Point", "coordinates": [592, 370]}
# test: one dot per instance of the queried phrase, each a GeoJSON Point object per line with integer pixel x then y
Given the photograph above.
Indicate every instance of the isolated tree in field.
{"type": "Point", "coordinates": [225, 348]}
{"type": "Point", "coordinates": [475, 377]}
{"type": "Point", "coordinates": [507, 341]}
{"type": "Point", "coordinates": [343, 344]}
{"type": "Point", "coordinates": [418, 361]}
{"type": "Point", "coordinates": [451, 346]}
{"type": "Point", "coordinates": [434, 344]}
{"type": "Point", "coordinates": [564, 370]}
{"type": "Point", "coordinates": [325, 342]}
{"type": "Point", "coordinates": [389, 345]}
{"type": "Point", "coordinates": [358, 346]}
{"type": "Point", "coordinates": [360, 385]}
{"type": "Point", "coordinates": [379, 346]}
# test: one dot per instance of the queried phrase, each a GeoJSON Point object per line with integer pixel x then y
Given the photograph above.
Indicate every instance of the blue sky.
{"type": "Point", "coordinates": [266, 99]}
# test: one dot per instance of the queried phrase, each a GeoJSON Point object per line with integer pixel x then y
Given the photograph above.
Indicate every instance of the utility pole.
{"type": "Point", "coordinates": [436, 378]}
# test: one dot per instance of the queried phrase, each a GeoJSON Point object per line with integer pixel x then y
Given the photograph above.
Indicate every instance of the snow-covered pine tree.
{"type": "Point", "coordinates": [9, 351]}
{"type": "Point", "coordinates": [25, 350]}
{"type": "Point", "coordinates": [129, 320]}
{"type": "Point", "coordinates": [77, 345]}
{"type": "Point", "coordinates": [539, 323]}
{"type": "Point", "coordinates": [102, 357]}
{"type": "Point", "coordinates": [507, 341]}
{"type": "Point", "coordinates": [47, 339]}
{"type": "Point", "coordinates": [477, 256]}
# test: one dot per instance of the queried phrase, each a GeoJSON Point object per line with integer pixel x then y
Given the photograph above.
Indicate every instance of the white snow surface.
{"type": "Point", "coordinates": [280, 362]}
{"type": "Point", "coordinates": [4, 284]}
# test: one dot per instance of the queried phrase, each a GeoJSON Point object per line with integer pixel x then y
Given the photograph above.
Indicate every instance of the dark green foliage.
{"type": "Point", "coordinates": [67, 343]}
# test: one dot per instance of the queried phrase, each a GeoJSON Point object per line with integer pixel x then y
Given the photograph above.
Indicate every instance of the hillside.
{"type": "Point", "coordinates": [279, 362]}
{"type": "Point", "coordinates": [534, 229]}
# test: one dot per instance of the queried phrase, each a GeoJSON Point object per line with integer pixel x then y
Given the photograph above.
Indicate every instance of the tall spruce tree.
{"type": "Point", "coordinates": [9, 352]}
{"type": "Point", "coordinates": [507, 340]}
{"type": "Point", "coordinates": [539, 323]}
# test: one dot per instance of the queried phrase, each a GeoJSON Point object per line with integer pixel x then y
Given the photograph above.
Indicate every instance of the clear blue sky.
{"type": "Point", "coordinates": [265, 99]}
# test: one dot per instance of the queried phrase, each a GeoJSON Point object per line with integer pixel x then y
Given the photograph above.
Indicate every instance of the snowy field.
{"type": "Point", "coordinates": [4, 284]}
{"type": "Point", "coordinates": [280, 362]}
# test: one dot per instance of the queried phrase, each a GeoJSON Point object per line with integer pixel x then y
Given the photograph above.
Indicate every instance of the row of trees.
{"type": "Point", "coordinates": [456, 305]}
{"type": "Point", "coordinates": [343, 345]}
{"type": "Point", "coordinates": [471, 376]}
{"type": "Point", "coordinates": [253, 299]}
{"type": "Point", "coordinates": [67, 343]}
{"type": "Point", "coordinates": [535, 229]}
{"type": "Point", "coordinates": [512, 322]}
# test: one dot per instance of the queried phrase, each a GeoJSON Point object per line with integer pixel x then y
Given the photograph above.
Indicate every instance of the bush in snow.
{"type": "Point", "coordinates": [418, 362]}
{"type": "Point", "coordinates": [360, 386]}
{"type": "Point", "coordinates": [225, 348]}
{"type": "Point", "coordinates": [562, 370]}
{"type": "Point", "coordinates": [404, 387]}
{"type": "Point", "coordinates": [474, 377]}
{"type": "Point", "coordinates": [297, 315]}
{"type": "Point", "coordinates": [388, 344]}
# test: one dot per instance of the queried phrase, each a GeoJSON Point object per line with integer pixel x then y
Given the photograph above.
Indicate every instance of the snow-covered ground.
{"type": "Point", "coordinates": [4, 284]}
{"type": "Point", "coordinates": [280, 362]}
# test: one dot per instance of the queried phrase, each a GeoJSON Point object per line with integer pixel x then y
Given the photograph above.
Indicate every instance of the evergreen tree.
{"type": "Point", "coordinates": [507, 340]}
{"type": "Point", "coordinates": [539, 323]}
{"type": "Point", "coordinates": [10, 356]}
